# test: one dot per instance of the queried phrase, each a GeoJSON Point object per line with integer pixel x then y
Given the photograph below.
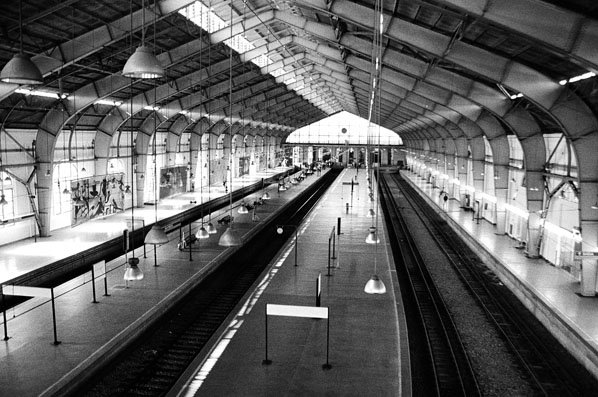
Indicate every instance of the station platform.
{"type": "Point", "coordinates": [21, 257]}
{"type": "Point", "coordinates": [547, 291]}
{"type": "Point", "coordinates": [367, 346]}
{"type": "Point", "coordinates": [31, 364]}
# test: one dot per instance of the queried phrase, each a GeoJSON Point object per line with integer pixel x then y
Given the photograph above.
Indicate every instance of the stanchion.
{"type": "Point", "coordinates": [93, 285]}
{"type": "Point", "coordinates": [56, 341]}
{"type": "Point", "coordinates": [4, 315]}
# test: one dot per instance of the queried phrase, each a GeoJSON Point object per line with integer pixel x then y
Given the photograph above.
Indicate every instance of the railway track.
{"type": "Point", "coordinates": [154, 362]}
{"type": "Point", "coordinates": [550, 369]}
{"type": "Point", "coordinates": [439, 362]}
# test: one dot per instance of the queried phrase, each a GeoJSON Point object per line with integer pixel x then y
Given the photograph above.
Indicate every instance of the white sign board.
{"type": "Point", "coordinates": [296, 311]}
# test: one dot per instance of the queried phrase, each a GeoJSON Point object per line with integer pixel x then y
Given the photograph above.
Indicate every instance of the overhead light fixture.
{"type": "Point", "coordinates": [108, 102]}
{"type": "Point", "coordinates": [211, 228]}
{"type": "Point", "coordinates": [143, 64]}
{"type": "Point", "coordinates": [266, 196]}
{"type": "Point", "coordinates": [3, 200]}
{"type": "Point", "coordinates": [41, 93]}
{"type": "Point", "coordinates": [133, 272]}
{"type": "Point", "coordinates": [375, 286]}
{"type": "Point", "coordinates": [149, 107]}
{"type": "Point", "coordinates": [21, 69]}
{"type": "Point", "coordinates": [156, 236]}
{"type": "Point", "coordinates": [66, 191]}
{"type": "Point", "coordinates": [372, 237]}
{"type": "Point", "coordinates": [242, 209]}
{"type": "Point", "coordinates": [202, 233]}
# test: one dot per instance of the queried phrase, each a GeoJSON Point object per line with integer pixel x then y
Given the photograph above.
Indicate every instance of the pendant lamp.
{"type": "Point", "coordinates": [202, 233]}
{"type": "Point", "coordinates": [375, 286]}
{"type": "Point", "coordinates": [21, 69]}
{"type": "Point", "coordinates": [211, 228]}
{"type": "Point", "coordinates": [266, 196]}
{"type": "Point", "coordinates": [156, 236]}
{"type": "Point", "coordinates": [133, 272]}
{"type": "Point", "coordinates": [242, 209]}
{"type": "Point", "coordinates": [3, 200]}
{"type": "Point", "coordinates": [372, 237]}
{"type": "Point", "coordinates": [143, 64]}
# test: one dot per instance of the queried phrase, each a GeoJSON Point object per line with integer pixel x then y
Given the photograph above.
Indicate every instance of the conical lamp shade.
{"type": "Point", "coordinates": [157, 235]}
{"type": "Point", "coordinates": [65, 191]}
{"type": "Point", "coordinates": [371, 212]}
{"type": "Point", "coordinates": [202, 233]}
{"type": "Point", "coordinates": [133, 272]}
{"type": "Point", "coordinates": [230, 238]}
{"type": "Point", "coordinates": [211, 228]}
{"type": "Point", "coordinates": [375, 286]}
{"type": "Point", "coordinates": [21, 70]}
{"type": "Point", "coordinates": [372, 237]}
{"type": "Point", "coordinates": [266, 196]}
{"type": "Point", "coordinates": [242, 209]}
{"type": "Point", "coordinates": [282, 188]}
{"type": "Point", "coordinates": [143, 64]}
{"type": "Point", "coordinates": [3, 200]}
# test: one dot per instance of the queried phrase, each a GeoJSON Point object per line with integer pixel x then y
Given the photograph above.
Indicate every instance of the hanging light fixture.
{"type": "Point", "coordinates": [133, 272]}
{"type": "Point", "coordinates": [21, 69]}
{"type": "Point", "coordinates": [143, 64]}
{"type": "Point", "coordinates": [211, 228]}
{"type": "Point", "coordinates": [230, 237]}
{"type": "Point", "coordinates": [3, 199]}
{"type": "Point", "coordinates": [242, 209]}
{"type": "Point", "coordinates": [266, 196]}
{"type": "Point", "coordinates": [372, 237]}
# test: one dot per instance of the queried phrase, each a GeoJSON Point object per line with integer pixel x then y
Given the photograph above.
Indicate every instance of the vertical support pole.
{"type": "Point", "coordinates": [329, 254]}
{"type": "Point", "coordinates": [155, 256]}
{"type": "Point", "coordinates": [266, 361]}
{"type": "Point", "coordinates": [106, 285]}
{"type": "Point", "coordinates": [327, 365]}
{"type": "Point", "coordinates": [296, 247]}
{"type": "Point", "coordinates": [93, 284]}
{"type": "Point", "coordinates": [56, 341]}
{"type": "Point", "coordinates": [319, 290]}
{"type": "Point", "coordinates": [333, 245]}
{"type": "Point", "coordinates": [190, 250]}
{"type": "Point", "coordinates": [144, 251]}
{"type": "Point", "coordinates": [4, 315]}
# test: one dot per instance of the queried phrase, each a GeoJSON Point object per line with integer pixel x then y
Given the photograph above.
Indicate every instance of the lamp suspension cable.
{"type": "Point", "coordinates": [375, 284]}
{"type": "Point", "coordinates": [210, 228]}
{"type": "Point", "coordinates": [157, 234]}
{"type": "Point", "coordinates": [229, 238]}
{"type": "Point", "coordinates": [202, 233]}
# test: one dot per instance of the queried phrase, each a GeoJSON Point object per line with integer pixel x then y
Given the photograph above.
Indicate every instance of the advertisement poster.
{"type": "Point", "coordinates": [173, 180]}
{"type": "Point", "coordinates": [96, 197]}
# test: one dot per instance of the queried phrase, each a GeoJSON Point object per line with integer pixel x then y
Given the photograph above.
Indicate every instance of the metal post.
{"type": "Point", "coordinates": [106, 284]}
{"type": "Point", "coordinates": [327, 365]}
{"type": "Point", "coordinates": [329, 244]}
{"type": "Point", "coordinates": [155, 256]}
{"type": "Point", "coordinates": [4, 315]}
{"type": "Point", "coordinates": [190, 250]}
{"type": "Point", "coordinates": [333, 245]}
{"type": "Point", "coordinates": [56, 341]}
{"type": "Point", "coordinates": [296, 247]}
{"type": "Point", "coordinates": [266, 361]}
{"type": "Point", "coordinates": [93, 285]}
